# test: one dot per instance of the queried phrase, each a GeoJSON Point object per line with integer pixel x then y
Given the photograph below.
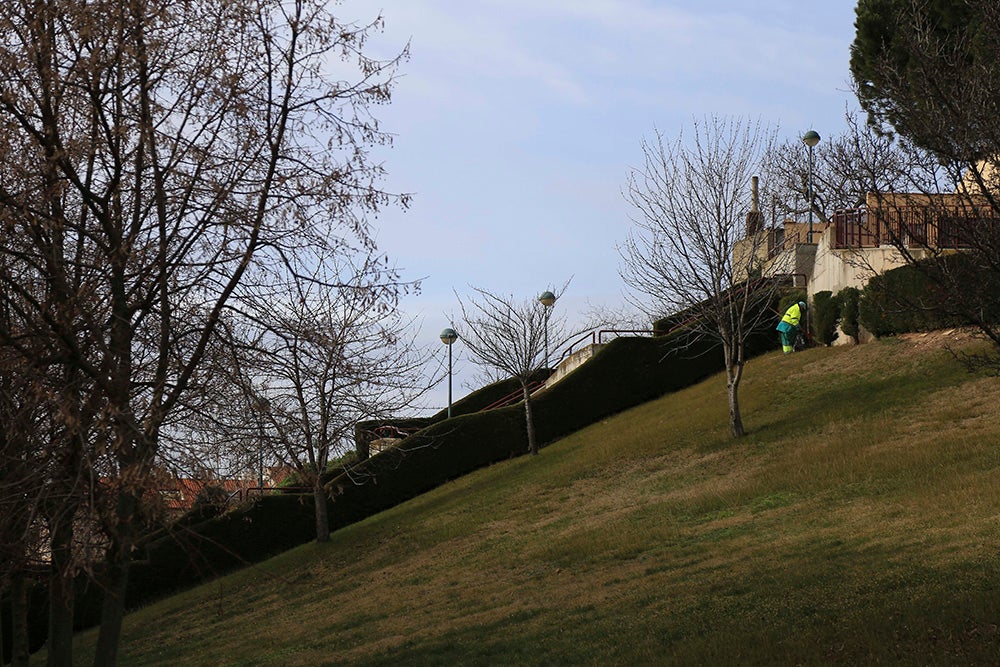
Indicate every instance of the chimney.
{"type": "Point", "coordinates": [755, 218]}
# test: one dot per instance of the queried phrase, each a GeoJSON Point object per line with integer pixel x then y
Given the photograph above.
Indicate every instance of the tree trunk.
{"type": "Point", "coordinates": [735, 419]}
{"type": "Point", "coordinates": [112, 612]}
{"type": "Point", "coordinates": [116, 580]}
{"type": "Point", "coordinates": [322, 515]}
{"type": "Point", "coordinates": [732, 353]}
{"type": "Point", "coordinates": [61, 594]}
{"type": "Point", "coordinates": [733, 375]}
{"type": "Point", "coordinates": [19, 621]}
{"type": "Point", "coordinates": [529, 421]}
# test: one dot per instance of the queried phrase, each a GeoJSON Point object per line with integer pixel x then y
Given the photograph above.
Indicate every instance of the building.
{"type": "Point", "coordinates": [856, 244]}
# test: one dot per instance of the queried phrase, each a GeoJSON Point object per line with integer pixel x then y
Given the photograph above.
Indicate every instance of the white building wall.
{"type": "Point", "coordinates": [834, 269]}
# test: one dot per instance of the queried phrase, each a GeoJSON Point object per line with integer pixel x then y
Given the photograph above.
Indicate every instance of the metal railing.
{"type": "Point", "coordinates": [911, 226]}
{"type": "Point", "coordinates": [251, 491]}
{"type": "Point", "coordinates": [596, 337]}
{"type": "Point", "coordinates": [618, 332]}
{"type": "Point", "coordinates": [589, 336]}
{"type": "Point", "coordinates": [513, 397]}
{"type": "Point", "coordinates": [852, 229]}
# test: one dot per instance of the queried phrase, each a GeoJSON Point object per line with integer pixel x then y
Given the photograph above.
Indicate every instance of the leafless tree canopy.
{"type": "Point", "coordinates": [690, 200]}
{"type": "Point", "coordinates": [310, 363]}
{"type": "Point", "coordinates": [846, 167]}
{"type": "Point", "coordinates": [155, 154]}
{"type": "Point", "coordinates": [513, 337]}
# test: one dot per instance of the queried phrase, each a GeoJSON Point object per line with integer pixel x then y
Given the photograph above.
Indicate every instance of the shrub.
{"type": "Point", "coordinates": [904, 300]}
{"type": "Point", "coordinates": [847, 301]}
{"type": "Point", "coordinates": [823, 316]}
{"type": "Point", "coordinates": [872, 313]}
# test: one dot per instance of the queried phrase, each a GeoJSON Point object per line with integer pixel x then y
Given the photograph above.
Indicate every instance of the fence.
{"type": "Point", "coordinates": [910, 226]}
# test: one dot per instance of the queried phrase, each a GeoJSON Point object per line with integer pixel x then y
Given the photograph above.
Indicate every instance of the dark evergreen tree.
{"type": "Point", "coordinates": [929, 70]}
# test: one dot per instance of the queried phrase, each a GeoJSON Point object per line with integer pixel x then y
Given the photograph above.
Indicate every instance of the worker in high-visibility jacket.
{"type": "Point", "coordinates": [788, 327]}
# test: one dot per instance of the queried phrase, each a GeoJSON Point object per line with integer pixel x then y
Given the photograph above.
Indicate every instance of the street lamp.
{"type": "Point", "coordinates": [263, 408]}
{"type": "Point", "coordinates": [547, 299]}
{"type": "Point", "coordinates": [448, 336]}
{"type": "Point", "coordinates": [810, 139]}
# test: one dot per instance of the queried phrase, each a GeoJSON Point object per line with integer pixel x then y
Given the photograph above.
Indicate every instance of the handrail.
{"type": "Point", "coordinates": [569, 350]}
{"type": "Point", "coordinates": [509, 398]}
{"type": "Point", "coordinates": [596, 338]}
{"type": "Point", "coordinates": [600, 334]}
{"type": "Point", "coordinates": [247, 492]}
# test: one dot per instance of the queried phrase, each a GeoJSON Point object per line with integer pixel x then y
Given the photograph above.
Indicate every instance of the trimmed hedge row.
{"type": "Point", "coordinates": [624, 373]}
{"type": "Point", "coordinates": [425, 460]}
{"type": "Point", "coordinates": [470, 404]}
{"type": "Point", "coordinates": [250, 534]}
{"type": "Point", "coordinates": [487, 396]}
{"type": "Point", "coordinates": [186, 556]}
{"type": "Point", "coordinates": [912, 297]}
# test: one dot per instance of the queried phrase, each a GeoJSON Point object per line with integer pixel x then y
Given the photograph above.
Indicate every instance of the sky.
{"type": "Point", "coordinates": [516, 123]}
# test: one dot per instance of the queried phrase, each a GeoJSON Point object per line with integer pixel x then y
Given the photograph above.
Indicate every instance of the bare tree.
{"type": "Point", "coordinates": [624, 316]}
{"type": "Point", "coordinates": [846, 167]}
{"type": "Point", "coordinates": [149, 168]}
{"type": "Point", "coordinates": [513, 338]}
{"type": "Point", "coordinates": [691, 198]}
{"type": "Point", "coordinates": [23, 485]}
{"type": "Point", "coordinates": [51, 422]}
{"type": "Point", "coordinates": [312, 361]}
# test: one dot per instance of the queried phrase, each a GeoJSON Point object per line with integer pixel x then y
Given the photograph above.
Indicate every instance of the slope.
{"type": "Point", "coordinates": [856, 523]}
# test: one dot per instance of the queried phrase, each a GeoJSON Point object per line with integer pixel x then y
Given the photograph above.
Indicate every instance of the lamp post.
{"type": "Point", "coordinates": [263, 408]}
{"type": "Point", "coordinates": [547, 299]}
{"type": "Point", "coordinates": [810, 139]}
{"type": "Point", "coordinates": [260, 469]}
{"type": "Point", "coordinates": [448, 337]}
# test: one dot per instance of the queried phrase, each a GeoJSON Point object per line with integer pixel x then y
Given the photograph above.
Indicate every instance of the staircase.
{"type": "Point", "coordinates": [570, 363]}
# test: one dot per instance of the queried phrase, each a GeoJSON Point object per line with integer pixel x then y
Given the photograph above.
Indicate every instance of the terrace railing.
{"type": "Point", "coordinates": [910, 226]}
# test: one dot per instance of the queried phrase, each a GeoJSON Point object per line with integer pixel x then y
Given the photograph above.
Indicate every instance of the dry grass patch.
{"type": "Point", "coordinates": [841, 531]}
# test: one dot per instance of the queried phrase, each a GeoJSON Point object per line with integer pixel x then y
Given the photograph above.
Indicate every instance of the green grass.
{"type": "Point", "coordinates": [855, 523]}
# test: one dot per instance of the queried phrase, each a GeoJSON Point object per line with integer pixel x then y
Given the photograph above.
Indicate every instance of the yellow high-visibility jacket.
{"type": "Point", "coordinates": [793, 315]}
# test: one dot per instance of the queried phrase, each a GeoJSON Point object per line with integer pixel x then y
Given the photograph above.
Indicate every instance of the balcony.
{"type": "Point", "coordinates": [931, 226]}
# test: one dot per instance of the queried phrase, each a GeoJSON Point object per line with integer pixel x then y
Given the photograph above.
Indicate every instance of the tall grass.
{"type": "Point", "coordinates": [856, 523]}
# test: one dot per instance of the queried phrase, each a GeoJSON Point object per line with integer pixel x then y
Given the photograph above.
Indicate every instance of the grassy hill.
{"type": "Point", "coordinates": [857, 522]}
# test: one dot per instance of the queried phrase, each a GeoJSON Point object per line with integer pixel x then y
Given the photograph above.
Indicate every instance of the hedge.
{"type": "Point", "coordinates": [903, 300]}
{"type": "Point", "coordinates": [470, 404]}
{"type": "Point", "coordinates": [823, 315]}
{"type": "Point", "coordinates": [624, 373]}
{"type": "Point", "coordinates": [847, 300]}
